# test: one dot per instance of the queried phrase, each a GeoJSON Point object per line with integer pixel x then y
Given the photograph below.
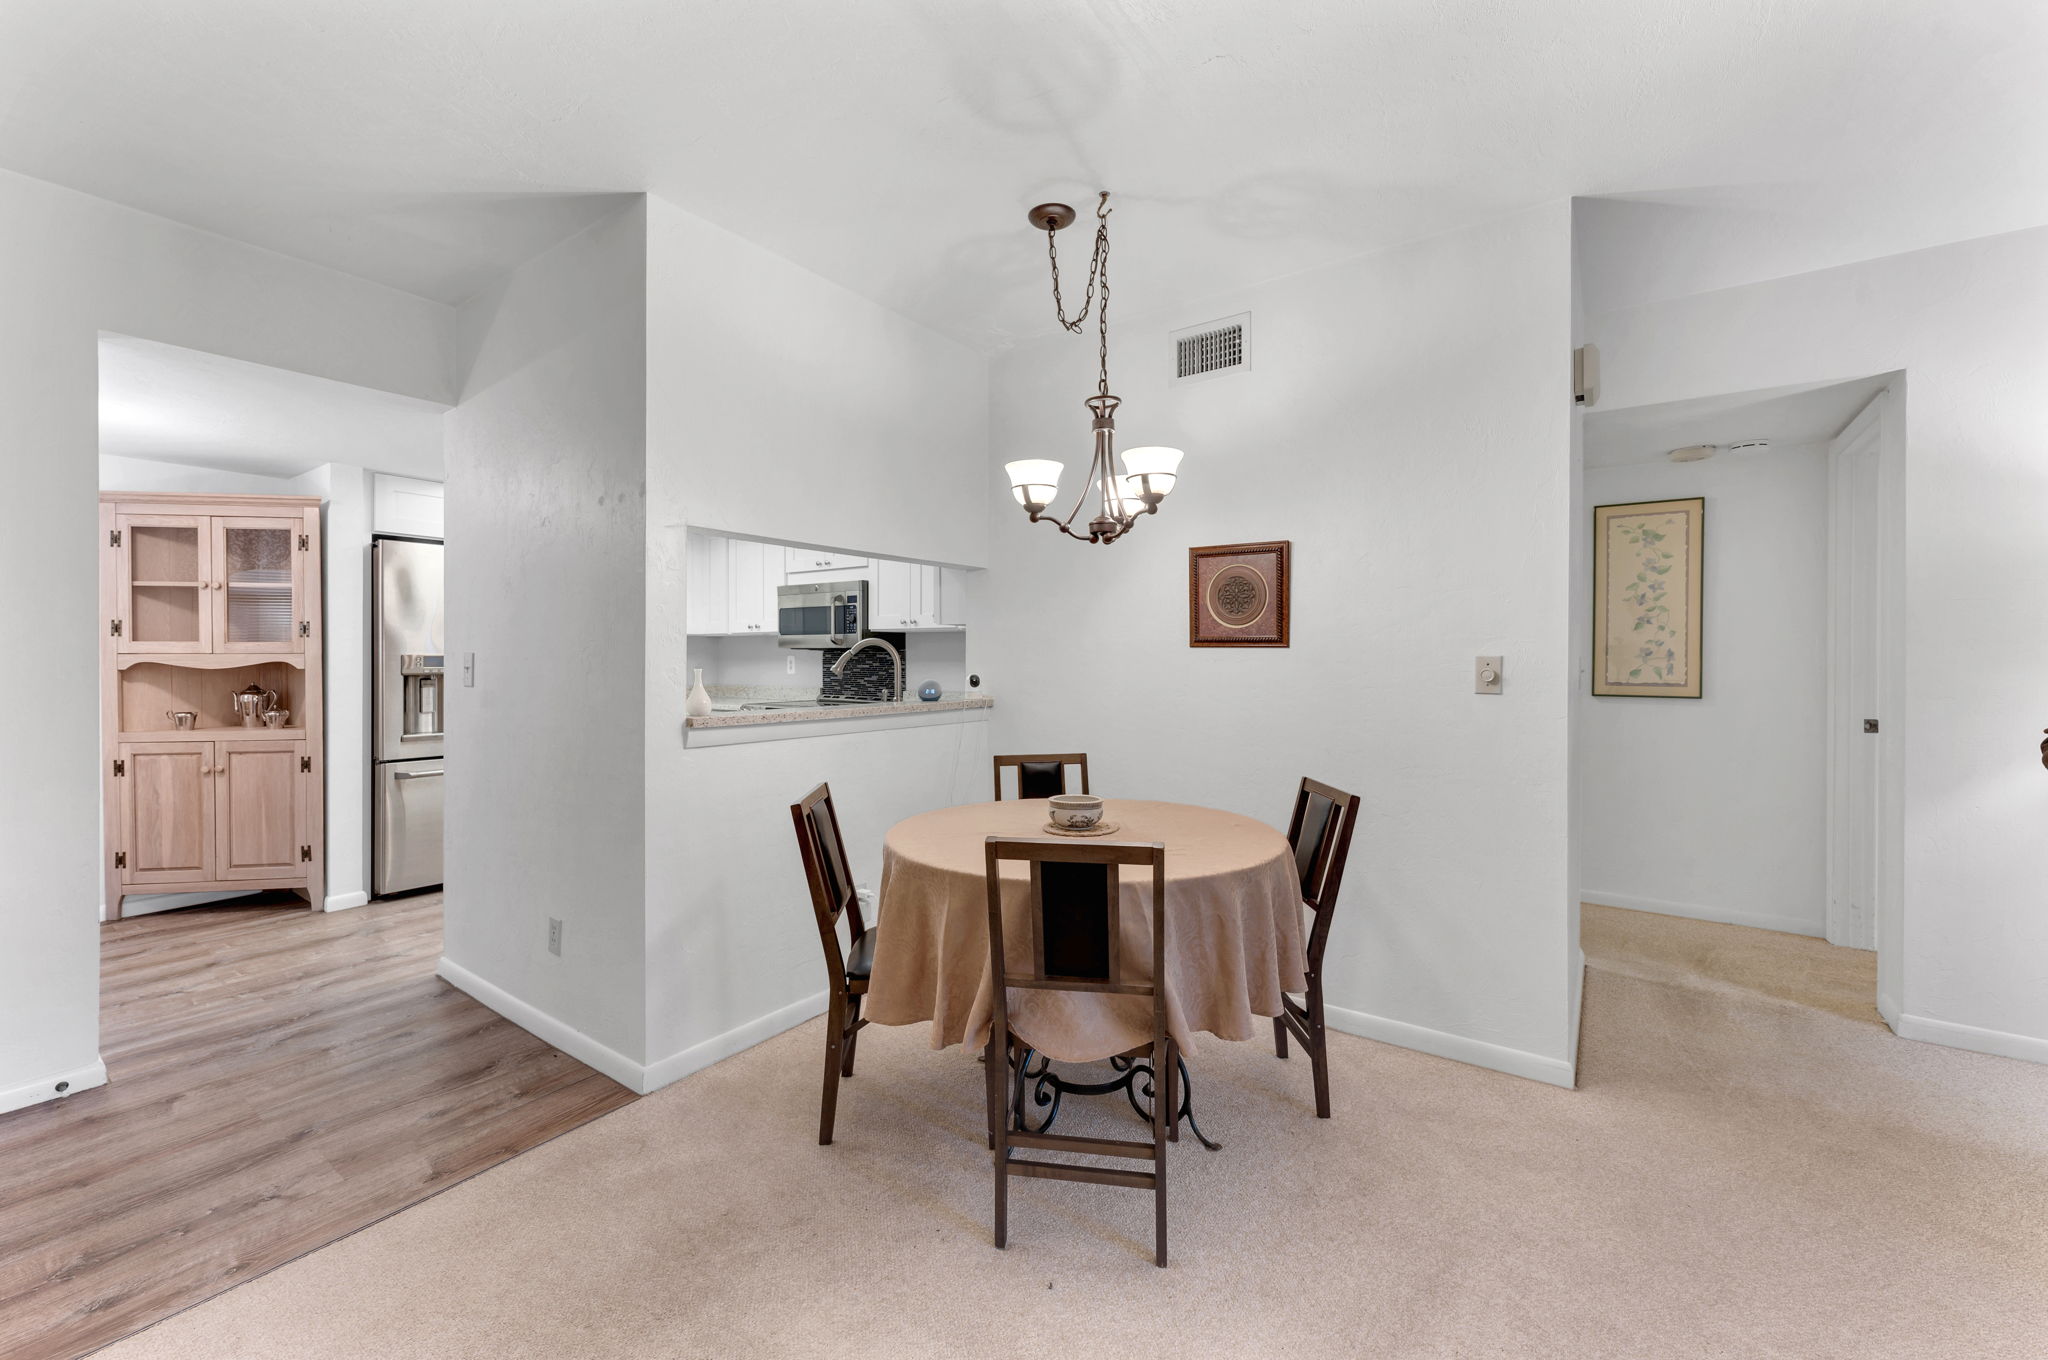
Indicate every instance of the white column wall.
{"type": "Point", "coordinates": [546, 517]}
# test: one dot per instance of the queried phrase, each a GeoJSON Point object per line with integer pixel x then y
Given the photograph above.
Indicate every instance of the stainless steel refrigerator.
{"type": "Point", "coordinates": [407, 671]}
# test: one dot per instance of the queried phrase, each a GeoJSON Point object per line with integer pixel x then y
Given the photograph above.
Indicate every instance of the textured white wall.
{"type": "Point", "coordinates": [546, 515]}
{"type": "Point", "coordinates": [783, 406]}
{"type": "Point", "coordinates": [1969, 325]}
{"type": "Point", "coordinates": [1406, 423]}
{"type": "Point", "coordinates": [72, 266]}
{"type": "Point", "coordinates": [1716, 807]}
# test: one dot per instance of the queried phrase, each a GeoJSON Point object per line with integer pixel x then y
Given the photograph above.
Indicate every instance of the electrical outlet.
{"type": "Point", "coordinates": [555, 936]}
{"type": "Point", "coordinates": [789, 664]}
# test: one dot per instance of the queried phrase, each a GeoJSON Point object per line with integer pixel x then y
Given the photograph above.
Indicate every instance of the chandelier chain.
{"type": "Point", "coordinates": [1098, 276]}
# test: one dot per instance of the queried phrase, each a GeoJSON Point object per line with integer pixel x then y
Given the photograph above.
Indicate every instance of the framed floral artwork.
{"type": "Point", "coordinates": [1647, 559]}
{"type": "Point", "coordinates": [1237, 595]}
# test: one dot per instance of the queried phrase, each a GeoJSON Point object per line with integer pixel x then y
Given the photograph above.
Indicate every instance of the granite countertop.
{"type": "Point", "coordinates": [728, 714]}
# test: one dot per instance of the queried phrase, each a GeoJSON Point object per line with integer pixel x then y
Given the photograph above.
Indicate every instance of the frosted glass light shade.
{"type": "Point", "coordinates": [1156, 464]}
{"type": "Point", "coordinates": [1034, 481]}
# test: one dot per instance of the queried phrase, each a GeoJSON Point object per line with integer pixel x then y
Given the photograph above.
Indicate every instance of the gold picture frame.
{"type": "Point", "coordinates": [1648, 621]}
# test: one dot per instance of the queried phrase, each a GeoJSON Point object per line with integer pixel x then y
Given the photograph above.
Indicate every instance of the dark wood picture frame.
{"type": "Point", "coordinates": [1262, 617]}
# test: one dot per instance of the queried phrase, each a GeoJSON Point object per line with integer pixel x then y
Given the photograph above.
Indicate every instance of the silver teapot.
{"type": "Point", "coordinates": [252, 703]}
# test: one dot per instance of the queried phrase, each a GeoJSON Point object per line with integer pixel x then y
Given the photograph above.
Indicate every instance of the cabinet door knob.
{"type": "Point", "coordinates": [206, 769]}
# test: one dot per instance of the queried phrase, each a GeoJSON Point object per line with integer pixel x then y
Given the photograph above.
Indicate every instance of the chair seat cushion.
{"type": "Point", "coordinates": [860, 960]}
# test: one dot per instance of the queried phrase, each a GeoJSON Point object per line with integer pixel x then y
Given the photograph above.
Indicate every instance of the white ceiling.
{"type": "Point", "coordinates": [1785, 416]}
{"type": "Point", "coordinates": [176, 405]}
{"type": "Point", "coordinates": [893, 144]}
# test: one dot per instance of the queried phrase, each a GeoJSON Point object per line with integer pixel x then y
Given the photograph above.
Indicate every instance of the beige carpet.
{"type": "Point", "coordinates": [1739, 1175]}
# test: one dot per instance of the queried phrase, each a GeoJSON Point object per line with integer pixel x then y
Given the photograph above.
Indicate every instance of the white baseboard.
{"type": "Point", "coordinates": [1513, 1061]}
{"type": "Point", "coordinates": [697, 1057]}
{"type": "Point", "coordinates": [1790, 925]}
{"type": "Point", "coordinates": [541, 1025]}
{"type": "Point", "coordinates": [1952, 1035]}
{"type": "Point", "coordinates": [343, 901]}
{"type": "Point", "coordinates": [36, 1092]}
{"type": "Point", "coordinates": [1888, 1011]}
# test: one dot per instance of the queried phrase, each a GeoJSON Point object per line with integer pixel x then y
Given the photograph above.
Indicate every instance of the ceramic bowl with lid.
{"type": "Point", "coordinates": [1075, 811]}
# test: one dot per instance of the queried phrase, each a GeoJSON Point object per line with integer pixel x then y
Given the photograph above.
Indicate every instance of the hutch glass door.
{"type": "Point", "coordinates": [259, 575]}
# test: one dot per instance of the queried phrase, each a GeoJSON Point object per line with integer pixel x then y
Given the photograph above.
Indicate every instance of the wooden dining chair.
{"type": "Point", "coordinates": [833, 896]}
{"type": "Point", "coordinates": [1040, 776]}
{"type": "Point", "coordinates": [1074, 908]}
{"type": "Point", "coordinates": [1320, 833]}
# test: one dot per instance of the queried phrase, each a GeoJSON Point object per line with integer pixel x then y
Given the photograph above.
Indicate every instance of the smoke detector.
{"type": "Point", "coordinates": [1746, 445]}
{"type": "Point", "coordinates": [1693, 453]}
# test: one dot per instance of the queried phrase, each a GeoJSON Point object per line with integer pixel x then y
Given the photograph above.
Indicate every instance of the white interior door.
{"type": "Point", "coordinates": [1858, 742]}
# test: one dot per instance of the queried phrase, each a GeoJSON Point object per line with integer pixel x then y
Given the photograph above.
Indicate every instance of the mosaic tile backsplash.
{"type": "Point", "coordinates": [868, 676]}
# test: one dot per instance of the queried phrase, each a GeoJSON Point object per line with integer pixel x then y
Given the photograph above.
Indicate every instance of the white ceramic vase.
{"type": "Point", "coordinates": [698, 705]}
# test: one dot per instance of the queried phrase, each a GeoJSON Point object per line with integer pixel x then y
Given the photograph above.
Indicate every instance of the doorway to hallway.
{"type": "Point", "coordinates": [1766, 800]}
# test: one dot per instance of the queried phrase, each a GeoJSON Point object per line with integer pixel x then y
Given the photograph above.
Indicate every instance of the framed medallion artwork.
{"type": "Point", "coordinates": [1237, 595]}
{"type": "Point", "coordinates": [1646, 598]}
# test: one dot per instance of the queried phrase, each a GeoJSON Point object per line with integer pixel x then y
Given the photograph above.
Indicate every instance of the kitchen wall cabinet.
{"type": "Point", "coordinates": [807, 561]}
{"type": "Point", "coordinates": [732, 584]}
{"type": "Point", "coordinates": [205, 595]}
{"type": "Point", "coordinates": [707, 592]}
{"type": "Point", "coordinates": [754, 572]}
{"type": "Point", "coordinates": [910, 596]}
{"type": "Point", "coordinates": [947, 608]}
{"type": "Point", "coordinates": [895, 590]}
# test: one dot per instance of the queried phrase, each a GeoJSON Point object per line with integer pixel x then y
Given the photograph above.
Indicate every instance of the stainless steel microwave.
{"type": "Point", "coordinates": [821, 614]}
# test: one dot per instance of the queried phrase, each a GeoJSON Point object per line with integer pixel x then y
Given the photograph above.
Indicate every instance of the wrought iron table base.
{"type": "Point", "coordinates": [1047, 1086]}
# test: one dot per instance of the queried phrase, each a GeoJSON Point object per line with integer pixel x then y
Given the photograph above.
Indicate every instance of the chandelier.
{"type": "Point", "coordinates": [1148, 473]}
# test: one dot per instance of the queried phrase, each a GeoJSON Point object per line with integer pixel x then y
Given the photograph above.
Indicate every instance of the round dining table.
{"type": "Point", "coordinates": [1233, 929]}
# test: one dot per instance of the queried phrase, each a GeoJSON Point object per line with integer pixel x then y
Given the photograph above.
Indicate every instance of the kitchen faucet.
{"type": "Point", "coordinates": [839, 666]}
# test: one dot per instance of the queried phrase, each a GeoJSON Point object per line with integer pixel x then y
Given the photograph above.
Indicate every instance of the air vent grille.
{"type": "Point", "coordinates": [1214, 348]}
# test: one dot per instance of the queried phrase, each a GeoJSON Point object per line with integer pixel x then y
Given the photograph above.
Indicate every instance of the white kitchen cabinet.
{"type": "Point", "coordinates": [754, 572]}
{"type": "Point", "coordinates": [913, 595]}
{"type": "Point", "coordinates": [895, 596]}
{"type": "Point", "coordinates": [805, 561]}
{"type": "Point", "coordinates": [945, 604]}
{"type": "Point", "coordinates": [708, 589]}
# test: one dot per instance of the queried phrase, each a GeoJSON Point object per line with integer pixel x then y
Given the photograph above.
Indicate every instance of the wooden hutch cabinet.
{"type": "Point", "coordinates": [203, 596]}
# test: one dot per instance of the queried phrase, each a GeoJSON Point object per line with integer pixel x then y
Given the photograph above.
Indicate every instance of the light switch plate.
{"type": "Point", "coordinates": [1483, 668]}
{"type": "Point", "coordinates": [469, 670]}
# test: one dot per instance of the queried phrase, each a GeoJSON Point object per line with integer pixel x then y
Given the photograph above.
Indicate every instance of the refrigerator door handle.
{"type": "Point", "coordinates": [419, 774]}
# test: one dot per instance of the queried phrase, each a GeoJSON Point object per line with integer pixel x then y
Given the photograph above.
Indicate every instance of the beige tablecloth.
{"type": "Point", "coordinates": [1233, 934]}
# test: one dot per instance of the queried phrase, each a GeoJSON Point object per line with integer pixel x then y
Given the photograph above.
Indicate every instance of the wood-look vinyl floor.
{"type": "Point", "coordinates": [277, 1079]}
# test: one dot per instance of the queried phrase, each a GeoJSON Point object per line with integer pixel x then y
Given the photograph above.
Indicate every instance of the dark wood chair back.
{"type": "Point", "coordinates": [825, 866]}
{"type": "Point", "coordinates": [847, 970]}
{"type": "Point", "coordinates": [1074, 943]}
{"type": "Point", "coordinates": [1320, 833]}
{"type": "Point", "coordinates": [1041, 776]}
{"type": "Point", "coordinates": [1075, 909]}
